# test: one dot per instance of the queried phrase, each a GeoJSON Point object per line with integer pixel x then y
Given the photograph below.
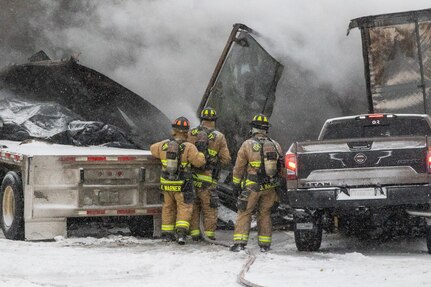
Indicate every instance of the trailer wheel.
{"type": "Point", "coordinates": [141, 226]}
{"type": "Point", "coordinates": [308, 234]}
{"type": "Point", "coordinates": [12, 207]}
{"type": "Point", "coordinates": [429, 238]}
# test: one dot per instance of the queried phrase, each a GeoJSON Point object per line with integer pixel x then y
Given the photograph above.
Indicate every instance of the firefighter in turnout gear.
{"type": "Point", "coordinates": [256, 175]}
{"type": "Point", "coordinates": [213, 144]}
{"type": "Point", "coordinates": [177, 157]}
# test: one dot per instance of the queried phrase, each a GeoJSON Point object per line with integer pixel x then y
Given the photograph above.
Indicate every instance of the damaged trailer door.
{"type": "Point", "coordinates": [397, 60]}
{"type": "Point", "coordinates": [243, 84]}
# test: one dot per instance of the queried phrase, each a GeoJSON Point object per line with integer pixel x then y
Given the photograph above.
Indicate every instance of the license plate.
{"type": "Point", "coordinates": [362, 193]}
{"type": "Point", "coordinates": [108, 197]}
{"type": "Point", "coordinates": [306, 226]}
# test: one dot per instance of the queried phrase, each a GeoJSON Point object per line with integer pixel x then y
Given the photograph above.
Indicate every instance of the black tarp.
{"type": "Point", "coordinates": [21, 120]}
{"type": "Point", "coordinates": [82, 133]}
{"type": "Point", "coordinates": [80, 93]}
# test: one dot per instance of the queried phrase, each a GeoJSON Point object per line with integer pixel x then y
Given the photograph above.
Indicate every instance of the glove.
{"type": "Point", "coordinates": [188, 192]}
{"type": "Point", "coordinates": [280, 163]}
{"type": "Point", "coordinates": [213, 160]}
{"type": "Point", "coordinates": [236, 189]}
{"type": "Point", "coordinates": [274, 207]}
{"type": "Point", "coordinates": [201, 146]}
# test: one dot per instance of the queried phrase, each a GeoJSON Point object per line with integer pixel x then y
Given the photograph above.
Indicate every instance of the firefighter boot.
{"type": "Point", "coordinates": [237, 247]}
{"type": "Point", "coordinates": [168, 237]}
{"type": "Point", "coordinates": [181, 233]}
{"type": "Point", "coordinates": [197, 238]}
{"type": "Point", "coordinates": [264, 248]}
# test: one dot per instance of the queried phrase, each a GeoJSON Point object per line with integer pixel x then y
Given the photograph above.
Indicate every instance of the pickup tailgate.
{"type": "Point", "coordinates": [362, 162]}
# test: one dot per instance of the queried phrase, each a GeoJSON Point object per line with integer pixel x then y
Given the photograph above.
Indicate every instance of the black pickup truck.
{"type": "Point", "coordinates": [368, 175]}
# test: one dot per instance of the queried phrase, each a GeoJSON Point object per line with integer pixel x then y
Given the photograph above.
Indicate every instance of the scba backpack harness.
{"type": "Point", "coordinates": [176, 175]}
{"type": "Point", "coordinates": [268, 167]}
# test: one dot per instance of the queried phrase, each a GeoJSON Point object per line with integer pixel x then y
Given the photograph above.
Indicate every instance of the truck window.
{"type": "Point", "coordinates": [364, 128]}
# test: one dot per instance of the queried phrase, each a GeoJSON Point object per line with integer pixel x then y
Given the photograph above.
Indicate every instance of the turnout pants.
{"type": "Point", "coordinates": [202, 203]}
{"type": "Point", "coordinates": [176, 214]}
{"type": "Point", "coordinates": [263, 202]}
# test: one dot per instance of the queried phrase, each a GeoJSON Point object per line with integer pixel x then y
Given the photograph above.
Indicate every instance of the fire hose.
{"type": "Point", "coordinates": [250, 260]}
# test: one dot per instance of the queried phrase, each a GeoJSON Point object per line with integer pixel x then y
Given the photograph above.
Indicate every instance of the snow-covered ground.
{"type": "Point", "coordinates": [122, 260]}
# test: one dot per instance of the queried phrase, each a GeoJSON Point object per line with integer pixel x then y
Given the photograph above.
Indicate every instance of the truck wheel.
{"type": "Point", "coordinates": [141, 226]}
{"type": "Point", "coordinates": [12, 207]}
{"type": "Point", "coordinates": [429, 238]}
{"type": "Point", "coordinates": [308, 235]}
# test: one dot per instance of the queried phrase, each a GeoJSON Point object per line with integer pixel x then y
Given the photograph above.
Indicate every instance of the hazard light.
{"type": "Point", "coordinates": [290, 163]}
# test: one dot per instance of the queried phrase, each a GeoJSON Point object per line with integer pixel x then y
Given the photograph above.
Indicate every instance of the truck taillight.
{"type": "Point", "coordinates": [290, 163]}
{"type": "Point", "coordinates": [429, 160]}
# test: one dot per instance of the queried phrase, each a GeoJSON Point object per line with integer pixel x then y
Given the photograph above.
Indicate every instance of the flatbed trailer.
{"type": "Point", "coordinates": [44, 184]}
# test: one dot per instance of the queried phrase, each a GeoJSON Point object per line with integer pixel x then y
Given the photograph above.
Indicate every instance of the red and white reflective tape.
{"type": "Point", "coordinates": [97, 158]}
{"type": "Point", "coordinates": [16, 157]}
{"type": "Point", "coordinates": [96, 212]}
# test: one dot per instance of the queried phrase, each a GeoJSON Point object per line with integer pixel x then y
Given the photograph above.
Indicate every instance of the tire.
{"type": "Point", "coordinates": [428, 236]}
{"type": "Point", "coordinates": [12, 207]}
{"type": "Point", "coordinates": [308, 239]}
{"type": "Point", "coordinates": [141, 226]}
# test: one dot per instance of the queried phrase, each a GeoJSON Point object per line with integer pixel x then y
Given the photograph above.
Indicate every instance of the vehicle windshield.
{"type": "Point", "coordinates": [367, 128]}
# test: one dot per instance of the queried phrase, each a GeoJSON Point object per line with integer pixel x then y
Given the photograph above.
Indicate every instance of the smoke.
{"type": "Point", "coordinates": [166, 50]}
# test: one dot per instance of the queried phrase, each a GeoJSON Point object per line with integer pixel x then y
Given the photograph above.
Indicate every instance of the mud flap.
{"type": "Point", "coordinates": [157, 225]}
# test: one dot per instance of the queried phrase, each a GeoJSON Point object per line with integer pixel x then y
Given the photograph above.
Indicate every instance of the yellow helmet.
{"type": "Point", "coordinates": [260, 121]}
{"type": "Point", "coordinates": [208, 114]}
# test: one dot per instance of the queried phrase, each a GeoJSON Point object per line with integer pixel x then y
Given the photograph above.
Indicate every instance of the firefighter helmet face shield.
{"type": "Point", "coordinates": [260, 121]}
{"type": "Point", "coordinates": [208, 114]}
{"type": "Point", "coordinates": [181, 124]}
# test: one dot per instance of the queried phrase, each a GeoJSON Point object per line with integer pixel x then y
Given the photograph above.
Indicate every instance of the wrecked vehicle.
{"type": "Point", "coordinates": [369, 175]}
{"type": "Point", "coordinates": [46, 106]}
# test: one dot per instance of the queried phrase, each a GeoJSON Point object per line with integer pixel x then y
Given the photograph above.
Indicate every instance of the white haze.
{"type": "Point", "coordinates": [166, 50]}
{"type": "Point", "coordinates": [172, 46]}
